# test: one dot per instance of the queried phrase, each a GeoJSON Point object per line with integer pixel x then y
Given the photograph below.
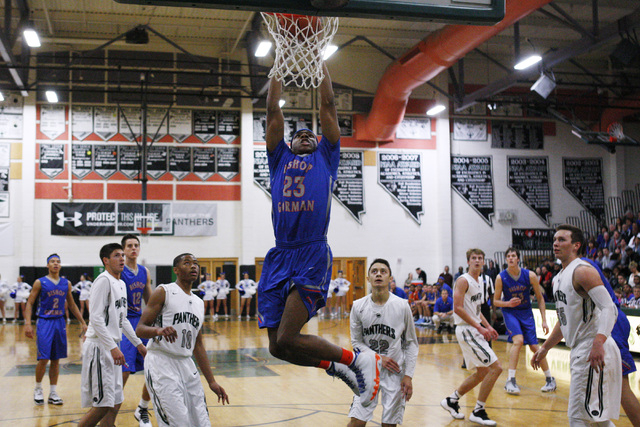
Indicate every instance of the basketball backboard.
{"type": "Point", "coordinates": [472, 12]}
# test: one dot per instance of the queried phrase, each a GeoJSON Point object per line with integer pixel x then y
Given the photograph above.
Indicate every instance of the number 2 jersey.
{"type": "Point", "coordinates": [185, 312]}
{"type": "Point", "coordinates": [472, 299]}
{"type": "Point", "coordinates": [578, 316]}
{"type": "Point", "coordinates": [301, 190]}
{"type": "Point", "coordinates": [53, 297]}
{"type": "Point", "coordinates": [386, 329]}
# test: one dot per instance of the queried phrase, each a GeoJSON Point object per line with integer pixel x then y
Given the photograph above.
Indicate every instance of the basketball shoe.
{"type": "Point", "coordinates": [367, 366]}
{"type": "Point", "coordinates": [340, 371]}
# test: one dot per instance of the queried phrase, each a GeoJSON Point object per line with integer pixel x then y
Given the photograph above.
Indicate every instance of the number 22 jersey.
{"type": "Point", "coordinates": [185, 312]}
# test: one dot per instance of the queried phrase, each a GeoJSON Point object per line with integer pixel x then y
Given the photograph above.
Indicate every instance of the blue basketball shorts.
{"type": "Point", "coordinates": [51, 337]}
{"type": "Point", "coordinates": [620, 335]}
{"type": "Point", "coordinates": [135, 361]}
{"type": "Point", "coordinates": [307, 267]}
{"type": "Point", "coordinates": [520, 322]}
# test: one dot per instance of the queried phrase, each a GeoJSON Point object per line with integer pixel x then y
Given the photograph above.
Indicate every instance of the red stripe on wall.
{"type": "Point", "coordinates": [208, 192]}
{"type": "Point", "coordinates": [51, 190]}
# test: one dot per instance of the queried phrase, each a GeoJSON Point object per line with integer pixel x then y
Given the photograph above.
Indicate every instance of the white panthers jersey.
{"type": "Point", "coordinates": [386, 329]}
{"type": "Point", "coordinates": [578, 316]}
{"type": "Point", "coordinates": [185, 312]}
{"type": "Point", "coordinates": [472, 299]}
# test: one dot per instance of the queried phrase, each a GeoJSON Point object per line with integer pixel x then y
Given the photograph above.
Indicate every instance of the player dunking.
{"type": "Point", "coordinates": [596, 368]}
{"type": "Point", "coordinates": [138, 282]}
{"type": "Point", "coordinates": [174, 320]}
{"type": "Point", "coordinates": [513, 289]}
{"type": "Point", "coordinates": [297, 272]}
{"type": "Point", "coordinates": [473, 332]}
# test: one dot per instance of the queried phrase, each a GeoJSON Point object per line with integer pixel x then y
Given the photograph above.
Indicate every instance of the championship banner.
{"type": "Point", "coordinates": [261, 171]}
{"type": "Point", "coordinates": [472, 179]}
{"type": "Point", "coordinates": [350, 184]}
{"type": "Point", "coordinates": [401, 176]}
{"type": "Point", "coordinates": [83, 219]}
{"type": "Point", "coordinates": [528, 177]}
{"type": "Point", "coordinates": [583, 180]}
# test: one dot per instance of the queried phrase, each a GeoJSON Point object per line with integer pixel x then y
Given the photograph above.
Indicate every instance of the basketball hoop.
{"type": "Point", "coordinates": [615, 132]}
{"type": "Point", "coordinates": [300, 44]}
{"type": "Point", "coordinates": [144, 224]}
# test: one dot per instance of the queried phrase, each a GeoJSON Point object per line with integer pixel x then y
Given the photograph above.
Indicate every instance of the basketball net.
{"type": "Point", "coordinates": [300, 45]}
{"type": "Point", "coordinates": [615, 132]}
{"type": "Point", "coordinates": [144, 224]}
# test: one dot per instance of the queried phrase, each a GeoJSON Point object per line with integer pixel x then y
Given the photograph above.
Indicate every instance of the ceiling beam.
{"type": "Point", "coordinates": [584, 45]}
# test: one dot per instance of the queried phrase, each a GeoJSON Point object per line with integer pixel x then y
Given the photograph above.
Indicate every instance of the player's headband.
{"type": "Point", "coordinates": [52, 256]}
{"type": "Point", "coordinates": [301, 130]}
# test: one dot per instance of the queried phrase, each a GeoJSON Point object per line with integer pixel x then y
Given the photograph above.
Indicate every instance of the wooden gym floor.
{"type": "Point", "coordinates": [264, 391]}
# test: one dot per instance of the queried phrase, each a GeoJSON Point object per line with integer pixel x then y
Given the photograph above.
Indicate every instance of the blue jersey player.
{"type": "Point", "coordinates": [138, 282]}
{"type": "Point", "coordinates": [54, 292]}
{"type": "Point", "coordinates": [620, 334]}
{"type": "Point", "coordinates": [297, 272]}
{"type": "Point", "coordinates": [513, 290]}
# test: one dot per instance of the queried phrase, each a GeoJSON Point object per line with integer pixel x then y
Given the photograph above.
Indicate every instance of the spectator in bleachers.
{"type": "Point", "coordinates": [632, 256]}
{"type": "Point", "coordinates": [448, 278]}
{"type": "Point", "coordinates": [492, 270]}
{"type": "Point", "coordinates": [458, 274]}
{"type": "Point", "coordinates": [440, 285]}
{"type": "Point", "coordinates": [606, 241]}
{"type": "Point", "coordinates": [634, 301]}
{"type": "Point", "coordinates": [606, 258]}
{"type": "Point", "coordinates": [545, 282]}
{"type": "Point", "coordinates": [633, 267]}
{"type": "Point", "coordinates": [592, 251]}
{"type": "Point", "coordinates": [421, 275]}
{"type": "Point", "coordinates": [618, 293]}
{"type": "Point", "coordinates": [626, 232]}
{"type": "Point", "coordinates": [615, 241]}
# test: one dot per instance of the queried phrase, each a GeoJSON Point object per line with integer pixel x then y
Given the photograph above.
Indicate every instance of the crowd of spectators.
{"type": "Point", "coordinates": [616, 250]}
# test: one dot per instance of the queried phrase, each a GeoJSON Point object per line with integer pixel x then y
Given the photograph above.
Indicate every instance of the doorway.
{"type": "Point", "coordinates": [229, 266]}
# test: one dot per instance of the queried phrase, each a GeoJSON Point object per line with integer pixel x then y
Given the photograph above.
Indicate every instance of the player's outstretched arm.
{"type": "Point", "coordinates": [149, 315]}
{"type": "Point", "coordinates": [35, 291]}
{"type": "Point", "coordinates": [202, 360]}
{"type": "Point", "coordinates": [328, 111]}
{"type": "Point", "coordinates": [275, 118]}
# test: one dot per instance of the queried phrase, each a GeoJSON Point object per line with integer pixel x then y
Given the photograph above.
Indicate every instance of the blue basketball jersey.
{"type": "Point", "coordinates": [135, 287]}
{"type": "Point", "coordinates": [52, 297]}
{"type": "Point", "coordinates": [520, 288]}
{"type": "Point", "coordinates": [301, 191]}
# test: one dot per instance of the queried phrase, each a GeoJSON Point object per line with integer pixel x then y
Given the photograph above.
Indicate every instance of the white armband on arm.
{"type": "Point", "coordinates": [602, 299]}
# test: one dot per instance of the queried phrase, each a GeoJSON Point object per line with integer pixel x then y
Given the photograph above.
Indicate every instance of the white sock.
{"type": "Point", "coordinates": [479, 406]}
{"type": "Point", "coordinates": [39, 385]}
{"type": "Point", "coordinates": [512, 373]}
{"type": "Point", "coordinates": [52, 388]}
{"type": "Point", "coordinates": [455, 396]}
{"type": "Point", "coordinates": [144, 404]}
{"type": "Point", "coordinates": [547, 373]}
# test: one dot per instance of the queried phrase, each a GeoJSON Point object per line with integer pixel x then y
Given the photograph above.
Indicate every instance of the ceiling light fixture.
{"type": "Point", "coordinates": [52, 96]}
{"type": "Point", "coordinates": [263, 49]}
{"type": "Point", "coordinates": [31, 36]}
{"type": "Point", "coordinates": [438, 108]}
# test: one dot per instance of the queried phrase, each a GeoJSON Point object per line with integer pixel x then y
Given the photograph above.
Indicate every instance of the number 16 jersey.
{"type": "Point", "coordinates": [185, 312]}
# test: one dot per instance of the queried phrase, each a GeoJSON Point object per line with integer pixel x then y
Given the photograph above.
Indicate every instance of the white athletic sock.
{"type": "Point", "coordinates": [479, 406]}
{"type": "Point", "coordinates": [455, 396]}
{"type": "Point", "coordinates": [39, 385]}
{"type": "Point", "coordinates": [52, 388]}
{"type": "Point", "coordinates": [144, 404]}
{"type": "Point", "coordinates": [512, 373]}
{"type": "Point", "coordinates": [547, 373]}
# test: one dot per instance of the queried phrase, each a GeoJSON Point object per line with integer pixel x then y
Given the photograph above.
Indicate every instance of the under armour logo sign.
{"type": "Point", "coordinates": [75, 219]}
